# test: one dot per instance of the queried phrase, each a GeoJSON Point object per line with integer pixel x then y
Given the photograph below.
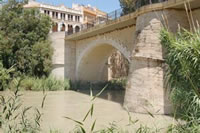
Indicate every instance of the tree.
{"type": "Point", "coordinates": [23, 33]}
{"type": "Point", "coordinates": [127, 6]}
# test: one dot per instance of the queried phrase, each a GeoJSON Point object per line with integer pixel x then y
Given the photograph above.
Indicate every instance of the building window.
{"type": "Point", "coordinates": [68, 17]}
{"type": "Point", "coordinates": [61, 15]}
{"type": "Point", "coordinates": [64, 16]}
{"type": "Point", "coordinates": [56, 14]}
{"type": "Point", "coordinates": [77, 18]}
{"type": "Point", "coordinates": [53, 14]}
{"type": "Point", "coordinates": [71, 17]}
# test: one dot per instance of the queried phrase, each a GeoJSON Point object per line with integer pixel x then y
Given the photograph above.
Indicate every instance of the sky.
{"type": "Point", "coordinates": [104, 5]}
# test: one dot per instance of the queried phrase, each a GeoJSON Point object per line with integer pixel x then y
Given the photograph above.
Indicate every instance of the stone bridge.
{"type": "Point", "coordinates": [136, 36]}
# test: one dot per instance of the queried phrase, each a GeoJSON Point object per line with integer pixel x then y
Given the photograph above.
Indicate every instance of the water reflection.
{"type": "Point", "coordinates": [111, 95]}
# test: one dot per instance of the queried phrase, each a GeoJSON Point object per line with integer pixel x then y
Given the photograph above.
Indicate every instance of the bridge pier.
{"type": "Point", "coordinates": [146, 90]}
{"type": "Point", "coordinates": [70, 60]}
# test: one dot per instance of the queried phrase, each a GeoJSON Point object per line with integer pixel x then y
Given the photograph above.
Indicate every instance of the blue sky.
{"type": "Point", "coordinates": [105, 5]}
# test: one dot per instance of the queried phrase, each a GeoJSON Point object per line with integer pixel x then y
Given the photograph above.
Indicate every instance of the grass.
{"type": "Point", "coordinates": [52, 83]}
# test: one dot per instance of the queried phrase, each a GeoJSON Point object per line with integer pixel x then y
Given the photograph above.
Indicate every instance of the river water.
{"type": "Point", "coordinates": [75, 104]}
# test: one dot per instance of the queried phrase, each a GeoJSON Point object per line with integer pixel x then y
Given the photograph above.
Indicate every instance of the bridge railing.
{"type": "Point", "coordinates": [114, 15]}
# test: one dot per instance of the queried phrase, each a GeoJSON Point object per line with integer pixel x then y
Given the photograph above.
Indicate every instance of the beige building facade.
{"type": "Point", "coordinates": [91, 15]}
{"type": "Point", "coordinates": [71, 20]}
{"type": "Point", "coordinates": [64, 18]}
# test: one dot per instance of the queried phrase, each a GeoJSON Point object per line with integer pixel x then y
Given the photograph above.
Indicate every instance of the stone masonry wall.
{"type": "Point", "coordinates": [70, 60]}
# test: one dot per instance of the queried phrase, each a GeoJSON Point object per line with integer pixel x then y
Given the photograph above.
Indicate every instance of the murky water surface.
{"type": "Point", "coordinates": [75, 104]}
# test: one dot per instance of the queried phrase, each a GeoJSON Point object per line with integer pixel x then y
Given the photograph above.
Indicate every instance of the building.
{"type": "Point", "coordinates": [70, 19]}
{"type": "Point", "coordinates": [64, 18]}
{"type": "Point", "coordinates": [91, 15]}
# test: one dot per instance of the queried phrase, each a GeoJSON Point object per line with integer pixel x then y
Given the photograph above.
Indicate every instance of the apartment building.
{"type": "Point", "coordinates": [91, 15]}
{"type": "Point", "coordinates": [64, 18]}
{"type": "Point", "coordinates": [72, 19]}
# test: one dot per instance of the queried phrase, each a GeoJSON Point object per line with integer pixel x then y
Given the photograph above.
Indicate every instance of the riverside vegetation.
{"type": "Point", "coordinates": [183, 60]}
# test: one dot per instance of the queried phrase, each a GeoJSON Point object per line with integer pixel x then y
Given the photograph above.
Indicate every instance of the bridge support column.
{"type": "Point", "coordinates": [70, 60]}
{"type": "Point", "coordinates": [145, 90]}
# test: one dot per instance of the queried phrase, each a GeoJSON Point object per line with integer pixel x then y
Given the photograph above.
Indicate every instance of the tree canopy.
{"type": "Point", "coordinates": [24, 39]}
{"type": "Point", "coordinates": [127, 6]}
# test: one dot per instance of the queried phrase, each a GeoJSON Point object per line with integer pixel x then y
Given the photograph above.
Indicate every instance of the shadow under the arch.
{"type": "Point", "coordinates": [112, 93]}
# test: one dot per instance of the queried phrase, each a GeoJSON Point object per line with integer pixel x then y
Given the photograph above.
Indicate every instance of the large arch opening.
{"type": "Point", "coordinates": [96, 63]}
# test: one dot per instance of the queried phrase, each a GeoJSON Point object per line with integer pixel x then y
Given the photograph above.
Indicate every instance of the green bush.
{"type": "Point", "coordinates": [39, 84]}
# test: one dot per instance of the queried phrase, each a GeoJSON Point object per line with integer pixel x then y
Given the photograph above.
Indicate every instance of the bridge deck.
{"type": "Point", "coordinates": [130, 19]}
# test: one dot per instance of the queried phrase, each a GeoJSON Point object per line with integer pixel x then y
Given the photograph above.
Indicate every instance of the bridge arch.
{"type": "Point", "coordinates": [92, 61]}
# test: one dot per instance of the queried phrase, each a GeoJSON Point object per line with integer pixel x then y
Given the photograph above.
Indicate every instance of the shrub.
{"type": "Point", "coordinates": [49, 84]}
{"type": "Point", "coordinates": [5, 77]}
